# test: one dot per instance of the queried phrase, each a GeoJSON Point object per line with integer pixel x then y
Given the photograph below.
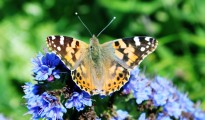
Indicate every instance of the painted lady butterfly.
{"type": "Point", "coordinates": [101, 68]}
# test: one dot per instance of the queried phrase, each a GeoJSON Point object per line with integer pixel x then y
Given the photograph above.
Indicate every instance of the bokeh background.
{"type": "Point", "coordinates": [179, 26]}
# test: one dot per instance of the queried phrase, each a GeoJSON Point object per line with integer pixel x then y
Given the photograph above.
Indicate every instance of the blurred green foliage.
{"type": "Point", "coordinates": [177, 24]}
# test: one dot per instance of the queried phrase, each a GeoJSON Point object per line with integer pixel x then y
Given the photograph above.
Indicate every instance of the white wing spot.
{"type": "Point", "coordinates": [61, 40]}
{"type": "Point", "coordinates": [52, 42]}
{"type": "Point", "coordinates": [137, 41]}
{"type": "Point", "coordinates": [59, 48]}
{"type": "Point", "coordinates": [147, 46]}
{"type": "Point", "coordinates": [142, 49]}
{"type": "Point", "coordinates": [147, 38]}
{"type": "Point", "coordinates": [54, 45]}
{"type": "Point", "coordinates": [149, 43]}
{"type": "Point", "coordinates": [53, 37]}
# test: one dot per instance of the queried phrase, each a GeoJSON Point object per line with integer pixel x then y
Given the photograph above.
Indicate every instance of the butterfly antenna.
{"type": "Point", "coordinates": [83, 23]}
{"type": "Point", "coordinates": [106, 26]}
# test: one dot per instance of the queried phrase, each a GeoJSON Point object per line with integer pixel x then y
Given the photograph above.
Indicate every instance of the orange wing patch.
{"type": "Point", "coordinates": [118, 76]}
{"type": "Point", "coordinates": [73, 52]}
{"type": "Point", "coordinates": [125, 52]}
{"type": "Point", "coordinates": [69, 50]}
{"type": "Point", "coordinates": [82, 77]}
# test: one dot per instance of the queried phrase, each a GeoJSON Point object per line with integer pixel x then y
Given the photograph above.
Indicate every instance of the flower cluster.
{"type": "Point", "coordinates": [79, 101]}
{"type": "Point", "coordinates": [163, 95]}
{"type": "Point", "coordinates": [41, 101]}
{"type": "Point", "coordinates": [55, 94]}
{"type": "Point", "coordinates": [43, 105]}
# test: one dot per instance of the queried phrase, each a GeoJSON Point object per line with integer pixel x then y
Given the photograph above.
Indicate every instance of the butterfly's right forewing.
{"type": "Point", "coordinates": [70, 50]}
{"type": "Point", "coordinates": [131, 51]}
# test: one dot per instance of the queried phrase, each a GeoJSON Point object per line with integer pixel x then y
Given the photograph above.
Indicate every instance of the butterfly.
{"type": "Point", "coordinates": [101, 68]}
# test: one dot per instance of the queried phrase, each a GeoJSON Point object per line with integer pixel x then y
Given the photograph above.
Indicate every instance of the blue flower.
{"type": "Point", "coordinates": [55, 112]}
{"type": "Point", "coordinates": [129, 86]}
{"type": "Point", "coordinates": [121, 115]}
{"type": "Point", "coordinates": [142, 116]}
{"type": "Point", "coordinates": [199, 114]}
{"type": "Point", "coordinates": [31, 90]}
{"type": "Point", "coordinates": [185, 103]}
{"type": "Point", "coordinates": [162, 91]}
{"type": "Point", "coordinates": [44, 73]}
{"type": "Point", "coordinates": [37, 62]}
{"type": "Point", "coordinates": [173, 102]}
{"type": "Point", "coordinates": [45, 67]}
{"type": "Point", "coordinates": [51, 107]}
{"type": "Point", "coordinates": [142, 90]}
{"type": "Point", "coordinates": [139, 85]}
{"type": "Point", "coordinates": [173, 109]}
{"type": "Point", "coordinates": [162, 116]}
{"type": "Point", "coordinates": [42, 105]}
{"type": "Point", "coordinates": [79, 100]}
{"type": "Point", "coordinates": [51, 60]}
{"type": "Point", "coordinates": [163, 94]}
{"type": "Point", "coordinates": [160, 98]}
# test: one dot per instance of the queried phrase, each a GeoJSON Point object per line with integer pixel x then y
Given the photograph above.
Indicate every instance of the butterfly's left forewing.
{"type": "Point", "coordinates": [70, 50]}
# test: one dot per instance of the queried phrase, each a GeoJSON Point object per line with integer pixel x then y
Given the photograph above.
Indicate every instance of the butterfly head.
{"type": "Point", "coordinates": [94, 41]}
